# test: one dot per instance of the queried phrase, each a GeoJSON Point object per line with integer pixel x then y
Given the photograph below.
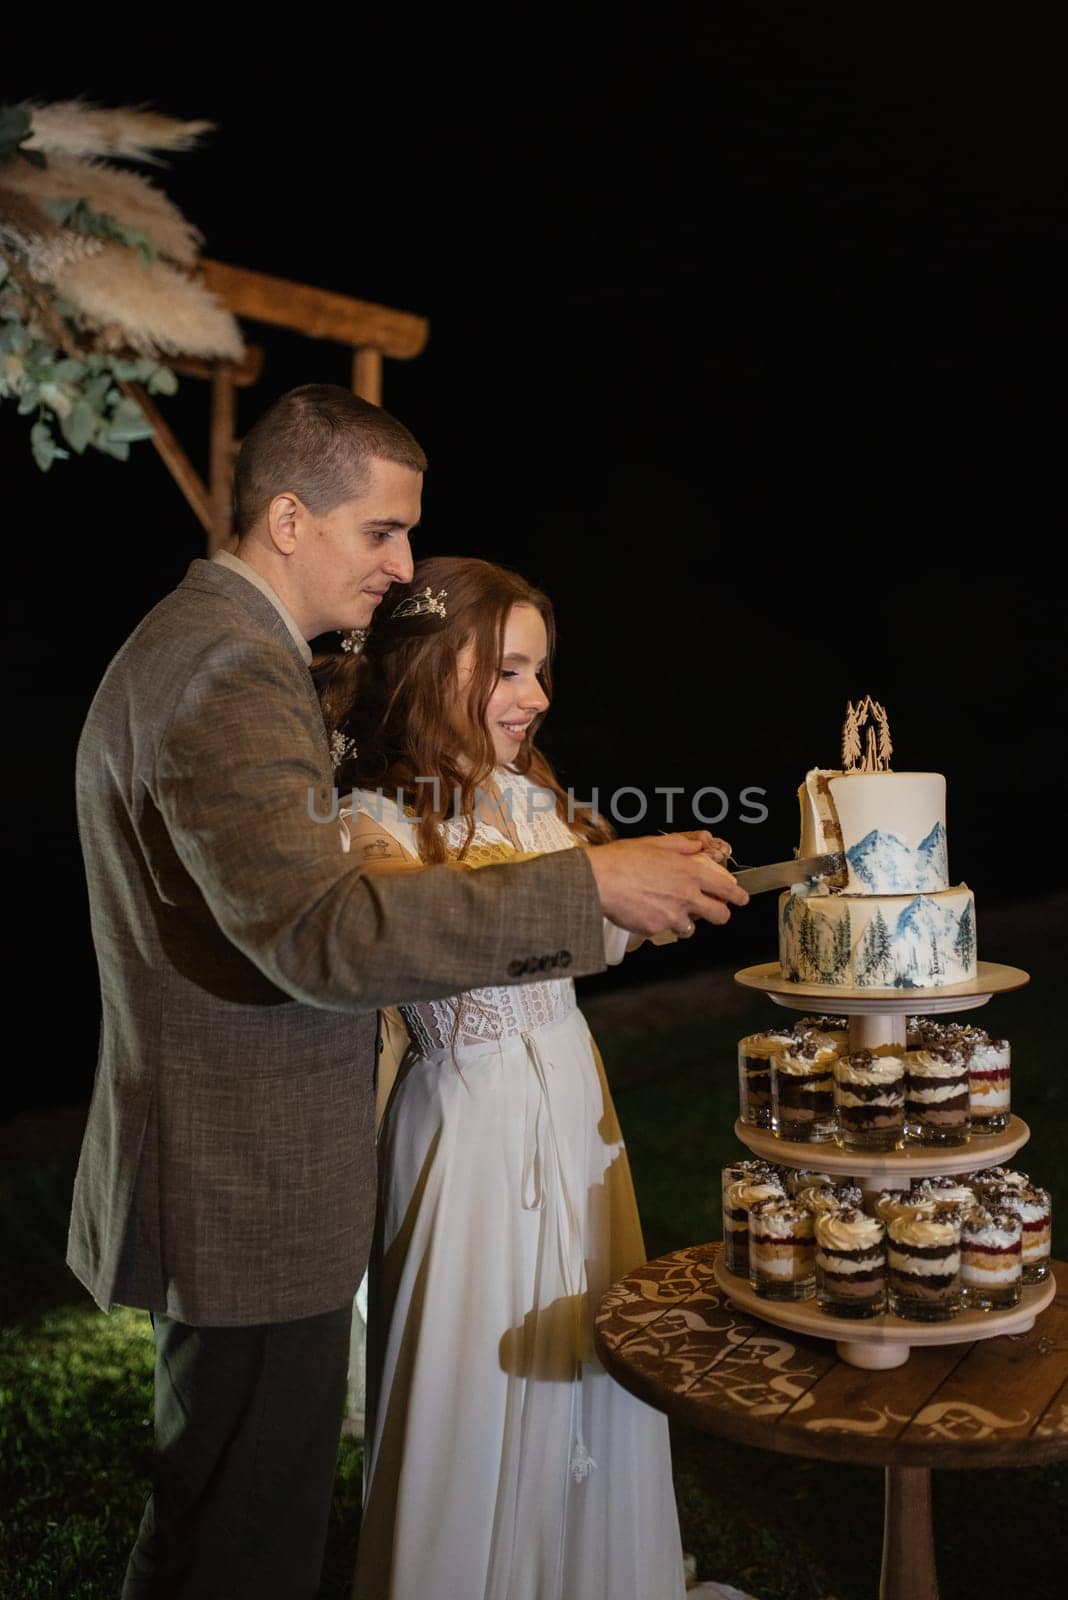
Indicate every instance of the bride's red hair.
{"type": "Point", "coordinates": [397, 700]}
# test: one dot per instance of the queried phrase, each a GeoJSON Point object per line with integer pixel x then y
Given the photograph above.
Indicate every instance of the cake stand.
{"type": "Point", "coordinates": [877, 1017]}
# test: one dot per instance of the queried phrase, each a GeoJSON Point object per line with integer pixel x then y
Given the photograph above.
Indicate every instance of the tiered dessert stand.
{"type": "Point", "coordinates": [877, 1017]}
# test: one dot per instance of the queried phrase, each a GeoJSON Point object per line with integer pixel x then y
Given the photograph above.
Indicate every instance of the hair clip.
{"type": "Point", "coordinates": [422, 605]}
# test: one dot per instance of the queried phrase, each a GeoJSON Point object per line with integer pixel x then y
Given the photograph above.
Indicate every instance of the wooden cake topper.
{"type": "Point", "coordinates": [869, 718]}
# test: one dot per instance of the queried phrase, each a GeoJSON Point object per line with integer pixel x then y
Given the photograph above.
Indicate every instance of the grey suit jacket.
{"type": "Point", "coordinates": [227, 1174]}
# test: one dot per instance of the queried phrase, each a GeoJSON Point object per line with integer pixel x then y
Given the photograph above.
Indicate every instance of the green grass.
{"type": "Point", "coordinates": [76, 1416]}
{"type": "Point", "coordinates": [76, 1387]}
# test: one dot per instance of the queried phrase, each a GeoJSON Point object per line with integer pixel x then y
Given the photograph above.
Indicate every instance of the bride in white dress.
{"type": "Point", "coordinates": [503, 1463]}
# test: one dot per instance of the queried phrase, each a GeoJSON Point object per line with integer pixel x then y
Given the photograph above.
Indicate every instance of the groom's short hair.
{"type": "Point", "coordinates": [318, 442]}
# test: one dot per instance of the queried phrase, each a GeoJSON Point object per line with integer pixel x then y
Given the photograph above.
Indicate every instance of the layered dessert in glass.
{"type": "Point", "coordinates": [937, 1097]}
{"type": "Point", "coordinates": [850, 1263]}
{"type": "Point", "coordinates": [740, 1197]}
{"type": "Point", "coordinates": [869, 1097]}
{"type": "Point", "coordinates": [989, 1074]}
{"type": "Point", "coordinates": [1033, 1207]}
{"type": "Point", "coordinates": [781, 1250]}
{"type": "Point", "coordinates": [754, 1073]}
{"type": "Point", "coordinates": [923, 1267]}
{"type": "Point", "coordinates": [991, 1259]}
{"type": "Point", "coordinates": [802, 1092]}
{"type": "Point", "coordinates": [737, 1172]}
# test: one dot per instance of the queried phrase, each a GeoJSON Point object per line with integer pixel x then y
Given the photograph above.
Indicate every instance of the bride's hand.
{"type": "Point", "coordinates": [663, 884]}
{"type": "Point", "coordinates": [718, 849]}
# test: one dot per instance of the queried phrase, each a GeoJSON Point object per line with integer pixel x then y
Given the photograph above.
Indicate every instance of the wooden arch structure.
{"type": "Point", "coordinates": [373, 332]}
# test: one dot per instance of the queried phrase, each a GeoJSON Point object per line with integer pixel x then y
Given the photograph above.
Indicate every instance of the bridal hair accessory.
{"type": "Point", "coordinates": [422, 605]}
{"type": "Point", "coordinates": [354, 641]}
{"type": "Point", "coordinates": [341, 747]}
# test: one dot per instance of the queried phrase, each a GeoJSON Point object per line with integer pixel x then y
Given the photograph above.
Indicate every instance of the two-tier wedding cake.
{"type": "Point", "coordinates": [890, 920]}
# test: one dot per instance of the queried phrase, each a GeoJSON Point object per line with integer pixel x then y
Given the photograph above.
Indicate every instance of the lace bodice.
{"type": "Point", "coordinates": [487, 1016]}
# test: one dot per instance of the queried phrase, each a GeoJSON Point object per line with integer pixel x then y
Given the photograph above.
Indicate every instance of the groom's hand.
{"type": "Point", "coordinates": [663, 884]}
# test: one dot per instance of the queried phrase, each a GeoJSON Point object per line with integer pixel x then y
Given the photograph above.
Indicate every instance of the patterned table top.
{"type": "Point", "coordinates": [669, 1334]}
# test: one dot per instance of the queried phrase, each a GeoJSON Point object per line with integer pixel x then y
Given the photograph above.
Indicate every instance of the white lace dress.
{"type": "Point", "coordinates": [503, 1463]}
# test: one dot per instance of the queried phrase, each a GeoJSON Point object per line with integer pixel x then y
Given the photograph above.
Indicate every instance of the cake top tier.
{"type": "Point", "coordinates": [890, 826]}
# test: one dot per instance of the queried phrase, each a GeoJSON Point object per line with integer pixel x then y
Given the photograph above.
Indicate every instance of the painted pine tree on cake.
{"type": "Point", "coordinates": [806, 945]}
{"type": "Point", "coordinates": [843, 949]}
{"type": "Point", "coordinates": [875, 957]}
{"type": "Point", "coordinates": [964, 943]}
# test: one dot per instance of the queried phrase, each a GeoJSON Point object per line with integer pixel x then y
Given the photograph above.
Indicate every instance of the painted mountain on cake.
{"type": "Point", "coordinates": [923, 942]}
{"type": "Point", "coordinates": [926, 945]}
{"type": "Point", "coordinates": [884, 864]}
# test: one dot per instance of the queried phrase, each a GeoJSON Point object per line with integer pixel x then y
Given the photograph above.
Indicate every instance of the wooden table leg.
{"type": "Point", "coordinates": [908, 1537]}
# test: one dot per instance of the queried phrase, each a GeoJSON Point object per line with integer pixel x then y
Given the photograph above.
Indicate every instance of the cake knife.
{"type": "Point", "coordinates": [781, 874]}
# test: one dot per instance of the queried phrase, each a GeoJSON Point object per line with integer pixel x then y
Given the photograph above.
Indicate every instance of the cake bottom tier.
{"type": "Point", "coordinates": [920, 941]}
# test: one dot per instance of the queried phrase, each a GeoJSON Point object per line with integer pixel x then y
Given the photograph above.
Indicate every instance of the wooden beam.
{"type": "Point", "coordinates": [367, 374]}
{"type": "Point", "coordinates": [243, 373]}
{"type": "Point", "coordinates": [181, 468]}
{"type": "Point", "coordinates": [318, 313]}
{"type": "Point", "coordinates": [222, 455]}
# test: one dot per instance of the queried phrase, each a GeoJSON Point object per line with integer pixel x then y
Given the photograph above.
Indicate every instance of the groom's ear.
{"type": "Point", "coordinates": [283, 519]}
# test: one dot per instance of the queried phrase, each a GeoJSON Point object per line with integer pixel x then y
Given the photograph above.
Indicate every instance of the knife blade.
{"type": "Point", "coordinates": [781, 874]}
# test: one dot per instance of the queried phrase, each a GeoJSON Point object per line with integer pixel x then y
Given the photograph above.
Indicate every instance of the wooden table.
{"type": "Point", "coordinates": [670, 1335]}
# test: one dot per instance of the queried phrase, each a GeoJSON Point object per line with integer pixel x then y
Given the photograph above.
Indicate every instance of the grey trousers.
{"type": "Point", "coordinates": [247, 1428]}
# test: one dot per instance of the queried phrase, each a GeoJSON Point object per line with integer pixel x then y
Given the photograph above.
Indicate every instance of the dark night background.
{"type": "Point", "coordinates": [747, 341]}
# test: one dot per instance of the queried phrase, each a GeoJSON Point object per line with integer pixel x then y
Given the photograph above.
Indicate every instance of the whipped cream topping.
{"type": "Point", "coordinates": [991, 1055]}
{"type": "Point", "coordinates": [805, 1058]}
{"type": "Point", "coordinates": [780, 1219]}
{"type": "Point", "coordinates": [888, 1207]}
{"type": "Point", "coordinates": [744, 1194]}
{"type": "Point", "coordinates": [748, 1169]}
{"type": "Point", "coordinates": [1030, 1205]}
{"type": "Point", "coordinates": [850, 1229]}
{"type": "Point", "coordinates": [869, 1070]}
{"type": "Point", "coordinates": [1002, 1177]}
{"type": "Point", "coordinates": [934, 1064]}
{"type": "Point", "coordinates": [831, 1197]}
{"type": "Point", "coordinates": [926, 1232]}
{"type": "Point", "coordinates": [763, 1046]}
{"type": "Point", "coordinates": [983, 1228]}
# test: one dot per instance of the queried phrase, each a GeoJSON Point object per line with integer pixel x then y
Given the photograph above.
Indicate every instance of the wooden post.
{"type": "Point", "coordinates": [367, 373]}
{"type": "Point", "coordinates": [222, 455]}
{"type": "Point", "coordinates": [181, 468]}
{"type": "Point", "coordinates": [908, 1538]}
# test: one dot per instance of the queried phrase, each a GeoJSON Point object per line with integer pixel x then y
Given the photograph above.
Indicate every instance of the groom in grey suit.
{"type": "Point", "coordinates": [227, 1176]}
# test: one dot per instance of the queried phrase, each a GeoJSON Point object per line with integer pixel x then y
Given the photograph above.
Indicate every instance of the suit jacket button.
{"type": "Point", "coordinates": [563, 958]}
{"type": "Point", "coordinates": [530, 964]}
{"type": "Point", "coordinates": [546, 963]}
{"type": "Point", "coordinates": [515, 969]}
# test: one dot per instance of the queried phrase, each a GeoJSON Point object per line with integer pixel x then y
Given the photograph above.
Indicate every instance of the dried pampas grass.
{"type": "Point", "coordinates": [127, 196]}
{"type": "Point", "coordinates": [77, 128]}
{"type": "Point", "coordinates": [120, 300]}
{"type": "Point", "coordinates": [30, 237]}
{"type": "Point", "coordinates": [153, 308]}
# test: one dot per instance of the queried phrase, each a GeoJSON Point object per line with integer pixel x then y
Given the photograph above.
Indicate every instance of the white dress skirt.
{"type": "Point", "coordinates": [502, 1462]}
